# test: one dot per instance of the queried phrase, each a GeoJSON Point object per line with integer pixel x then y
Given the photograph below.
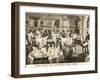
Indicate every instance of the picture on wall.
{"type": "Point", "coordinates": [53, 39]}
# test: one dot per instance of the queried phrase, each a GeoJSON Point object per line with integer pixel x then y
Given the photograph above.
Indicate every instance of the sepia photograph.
{"type": "Point", "coordinates": [53, 39]}
{"type": "Point", "coordinates": [56, 38]}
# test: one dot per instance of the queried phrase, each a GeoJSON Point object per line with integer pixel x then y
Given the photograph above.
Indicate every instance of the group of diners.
{"type": "Point", "coordinates": [56, 46]}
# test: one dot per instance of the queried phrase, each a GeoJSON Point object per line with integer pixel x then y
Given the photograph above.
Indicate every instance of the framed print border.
{"type": "Point", "coordinates": [15, 38]}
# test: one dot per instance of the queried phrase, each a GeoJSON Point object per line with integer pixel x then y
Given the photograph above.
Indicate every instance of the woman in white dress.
{"type": "Point", "coordinates": [60, 53]}
{"type": "Point", "coordinates": [38, 40]}
{"type": "Point", "coordinates": [44, 52]}
{"type": "Point", "coordinates": [54, 37]}
{"type": "Point", "coordinates": [31, 55]}
{"type": "Point", "coordinates": [30, 36]}
{"type": "Point", "coordinates": [53, 56]}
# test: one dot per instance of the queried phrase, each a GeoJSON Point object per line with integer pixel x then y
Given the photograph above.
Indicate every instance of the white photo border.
{"type": "Point", "coordinates": [68, 67]}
